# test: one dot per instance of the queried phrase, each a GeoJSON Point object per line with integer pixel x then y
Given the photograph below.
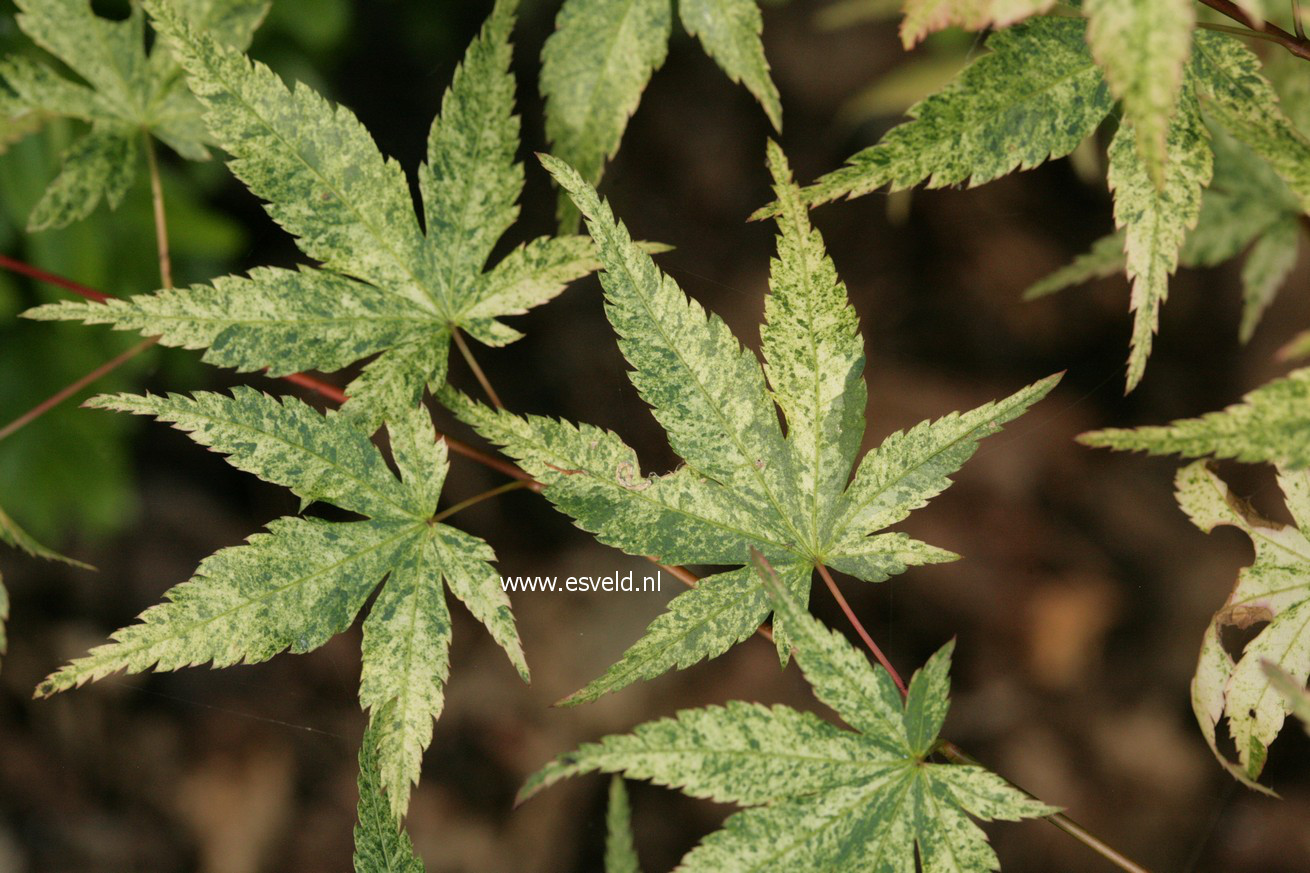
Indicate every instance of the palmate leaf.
{"type": "Point", "coordinates": [819, 797]}
{"type": "Point", "coordinates": [744, 484]}
{"type": "Point", "coordinates": [385, 285]}
{"type": "Point", "coordinates": [1242, 100]}
{"type": "Point", "coordinates": [1274, 589]}
{"type": "Point", "coordinates": [306, 579]}
{"type": "Point", "coordinates": [13, 535]}
{"type": "Point", "coordinates": [597, 63]}
{"type": "Point", "coordinates": [1035, 95]}
{"type": "Point", "coordinates": [1271, 424]}
{"type": "Point", "coordinates": [123, 92]}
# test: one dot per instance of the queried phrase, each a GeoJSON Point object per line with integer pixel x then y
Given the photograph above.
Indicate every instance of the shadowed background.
{"type": "Point", "coordinates": [1078, 607]}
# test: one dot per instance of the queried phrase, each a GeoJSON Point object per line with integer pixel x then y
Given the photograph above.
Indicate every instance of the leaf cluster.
{"type": "Point", "coordinates": [819, 797]}
{"type": "Point", "coordinates": [386, 286]}
{"type": "Point", "coordinates": [1203, 164]}
{"type": "Point", "coordinates": [1048, 83]}
{"type": "Point", "coordinates": [117, 88]}
{"type": "Point", "coordinates": [798, 497]}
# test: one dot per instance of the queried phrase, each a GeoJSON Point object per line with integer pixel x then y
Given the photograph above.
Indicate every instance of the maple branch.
{"type": "Point", "coordinates": [165, 276]}
{"type": "Point", "coordinates": [161, 220]}
{"type": "Point", "coordinates": [478, 498]}
{"type": "Point", "coordinates": [326, 390]}
{"type": "Point", "coordinates": [40, 275]}
{"type": "Point", "coordinates": [69, 390]}
{"type": "Point", "coordinates": [956, 755]}
{"type": "Point", "coordinates": [473, 365]}
{"type": "Point", "coordinates": [318, 386]}
{"type": "Point", "coordinates": [859, 628]}
{"type": "Point", "coordinates": [331, 392]}
{"type": "Point", "coordinates": [1297, 44]}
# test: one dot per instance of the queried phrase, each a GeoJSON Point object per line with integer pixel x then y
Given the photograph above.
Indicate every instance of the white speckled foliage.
{"type": "Point", "coordinates": [119, 90]}
{"type": "Point", "coordinates": [1046, 84]}
{"type": "Point", "coordinates": [1271, 424]}
{"type": "Point", "coordinates": [745, 484]}
{"type": "Point", "coordinates": [600, 58]}
{"type": "Point", "coordinates": [380, 844]}
{"type": "Point", "coordinates": [819, 797]}
{"type": "Point", "coordinates": [307, 579]}
{"type": "Point", "coordinates": [1274, 590]}
{"type": "Point", "coordinates": [385, 284]}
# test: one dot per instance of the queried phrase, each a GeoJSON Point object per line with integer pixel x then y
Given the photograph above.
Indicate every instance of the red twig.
{"type": "Point", "coordinates": [329, 391]}
{"type": "Point", "coordinates": [859, 629]}
{"type": "Point", "coordinates": [41, 275]}
{"type": "Point", "coordinates": [1298, 46]}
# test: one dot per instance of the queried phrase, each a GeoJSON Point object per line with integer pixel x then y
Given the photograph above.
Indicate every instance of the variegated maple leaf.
{"type": "Point", "coordinates": [385, 284]}
{"type": "Point", "coordinates": [746, 484]}
{"type": "Point", "coordinates": [1272, 424]}
{"type": "Point", "coordinates": [1274, 590]}
{"type": "Point", "coordinates": [306, 579]}
{"type": "Point", "coordinates": [819, 797]}
{"type": "Point", "coordinates": [123, 94]}
{"type": "Point", "coordinates": [1047, 83]}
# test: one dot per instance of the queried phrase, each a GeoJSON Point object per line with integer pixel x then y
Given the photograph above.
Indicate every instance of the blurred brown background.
{"type": "Point", "coordinates": [1078, 607]}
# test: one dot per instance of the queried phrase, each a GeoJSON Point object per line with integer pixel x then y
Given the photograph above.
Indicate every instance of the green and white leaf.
{"type": "Point", "coordinates": [1271, 424]}
{"type": "Point", "coordinates": [1246, 206]}
{"type": "Point", "coordinates": [306, 579]}
{"type": "Point", "coordinates": [1156, 220]}
{"type": "Point", "coordinates": [386, 287]}
{"type": "Point", "coordinates": [1244, 200]}
{"type": "Point", "coordinates": [1143, 46]}
{"type": "Point", "coordinates": [1267, 266]}
{"type": "Point", "coordinates": [1275, 589]}
{"type": "Point", "coordinates": [923, 17]}
{"type": "Point", "coordinates": [123, 92]}
{"type": "Point", "coordinates": [744, 484]}
{"type": "Point", "coordinates": [594, 68]}
{"type": "Point", "coordinates": [600, 58]}
{"type": "Point", "coordinates": [381, 844]}
{"type": "Point", "coordinates": [1241, 99]}
{"type": "Point", "coordinates": [620, 851]}
{"type": "Point", "coordinates": [730, 32]}
{"type": "Point", "coordinates": [1035, 95]}
{"type": "Point", "coordinates": [231, 22]}
{"type": "Point", "coordinates": [818, 797]}
{"type": "Point", "coordinates": [100, 165]}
